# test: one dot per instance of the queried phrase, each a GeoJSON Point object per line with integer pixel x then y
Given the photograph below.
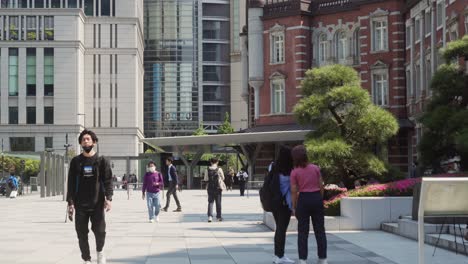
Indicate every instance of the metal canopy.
{"type": "Point", "coordinates": [193, 143]}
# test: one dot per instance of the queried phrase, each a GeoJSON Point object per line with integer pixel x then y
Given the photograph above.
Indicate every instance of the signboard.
{"type": "Point", "coordinates": [441, 197]}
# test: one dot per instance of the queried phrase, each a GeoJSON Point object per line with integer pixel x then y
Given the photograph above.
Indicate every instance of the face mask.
{"type": "Point", "coordinates": [151, 169]}
{"type": "Point", "coordinates": [87, 149]}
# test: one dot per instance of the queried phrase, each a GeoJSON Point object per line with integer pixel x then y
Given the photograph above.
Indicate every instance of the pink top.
{"type": "Point", "coordinates": [306, 179]}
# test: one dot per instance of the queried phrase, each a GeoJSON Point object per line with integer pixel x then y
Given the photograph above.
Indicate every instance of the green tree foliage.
{"type": "Point", "coordinates": [445, 120]}
{"type": "Point", "coordinates": [200, 131]}
{"type": "Point", "coordinates": [348, 126]}
{"type": "Point", "coordinates": [31, 167]}
{"type": "Point", "coordinates": [226, 127]}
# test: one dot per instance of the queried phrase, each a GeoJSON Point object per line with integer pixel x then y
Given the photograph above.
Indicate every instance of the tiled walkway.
{"type": "Point", "coordinates": [33, 231]}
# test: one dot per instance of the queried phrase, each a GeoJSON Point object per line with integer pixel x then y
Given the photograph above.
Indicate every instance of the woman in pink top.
{"type": "Point", "coordinates": [307, 203]}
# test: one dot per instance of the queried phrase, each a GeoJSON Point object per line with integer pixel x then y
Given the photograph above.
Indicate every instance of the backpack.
{"type": "Point", "coordinates": [213, 179]}
{"type": "Point", "coordinates": [266, 193]}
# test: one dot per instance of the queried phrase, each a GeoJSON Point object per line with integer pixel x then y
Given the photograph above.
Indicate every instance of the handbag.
{"type": "Point", "coordinates": [13, 194]}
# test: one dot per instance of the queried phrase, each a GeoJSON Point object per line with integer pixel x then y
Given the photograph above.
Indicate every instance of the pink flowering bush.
{"type": "Point", "coordinates": [397, 188]}
{"type": "Point", "coordinates": [332, 190]}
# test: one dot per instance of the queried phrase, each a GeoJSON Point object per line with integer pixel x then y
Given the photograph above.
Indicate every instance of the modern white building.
{"type": "Point", "coordinates": [70, 64]}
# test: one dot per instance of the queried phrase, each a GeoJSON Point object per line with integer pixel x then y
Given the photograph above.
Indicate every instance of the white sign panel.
{"type": "Point", "coordinates": [441, 197]}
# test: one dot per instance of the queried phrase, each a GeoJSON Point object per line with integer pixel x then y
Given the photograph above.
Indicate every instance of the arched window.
{"type": "Point", "coordinates": [322, 51]}
{"type": "Point", "coordinates": [341, 46]}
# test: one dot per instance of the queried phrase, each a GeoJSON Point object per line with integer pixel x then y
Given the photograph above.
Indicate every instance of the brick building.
{"type": "Point", "coordinates": [377, 38]}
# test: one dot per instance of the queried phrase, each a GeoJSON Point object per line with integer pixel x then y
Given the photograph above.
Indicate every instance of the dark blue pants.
{"type": "Point", "coordinates": [282, 216]}
{"type": "Point", "coordinates": [310, 206]}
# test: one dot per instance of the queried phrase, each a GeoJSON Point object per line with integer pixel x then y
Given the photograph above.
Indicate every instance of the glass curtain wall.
{"type": "Point", "coordinates": [216, 64]}
{"type": "Point", "coordinates": [171, 67]}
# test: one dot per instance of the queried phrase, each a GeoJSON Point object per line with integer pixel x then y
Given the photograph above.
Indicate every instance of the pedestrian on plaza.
{"type": "Point", "coordinates": [12, 184]}
{"type": "Point", "coordinates": [229, 178]}
{"type": "Point", "coordinates": [307, 203]}
{"type": "Point", "coordinates": [153, 183]}
{"type": "Point", "coordinates": [89, 195]}
{"type": "Point", "coordinates": [124, 181]}
{"type": "Point", "coordinates": [242, 175]}
{"type": "Point", "coordinates": [173, 185]}
{"type": "Point", "coordinates": [114, 181]}
{"type": "Point", "coordinates": [280, 172]}
{"type": "Point", "coordinates": [215, 186]}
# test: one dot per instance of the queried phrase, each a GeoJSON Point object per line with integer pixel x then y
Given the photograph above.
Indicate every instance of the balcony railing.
{"type": "Point", "coordinates": [274, 8]}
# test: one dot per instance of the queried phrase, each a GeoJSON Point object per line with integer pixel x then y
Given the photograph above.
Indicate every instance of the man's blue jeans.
{"type": "Point", "coordinates": [153, 200]}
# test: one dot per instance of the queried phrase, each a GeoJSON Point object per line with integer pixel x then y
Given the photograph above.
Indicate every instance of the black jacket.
{"type": "Point", "coordinates": [104, 185]}
{"type": "Point", "coordinates": [174, 176]}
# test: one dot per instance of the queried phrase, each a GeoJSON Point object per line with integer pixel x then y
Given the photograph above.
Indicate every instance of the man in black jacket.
{"type": "Point", "coordinates": [173, 186]}
{"type": "Point", "coordinates": [89, 194]}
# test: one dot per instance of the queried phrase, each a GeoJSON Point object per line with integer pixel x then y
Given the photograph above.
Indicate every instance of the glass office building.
{"type": "Point", "coordinates": [171, 101]}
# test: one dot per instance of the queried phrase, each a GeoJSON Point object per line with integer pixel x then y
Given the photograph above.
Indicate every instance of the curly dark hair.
{"type": "Point", "coordinates": [87, 132]}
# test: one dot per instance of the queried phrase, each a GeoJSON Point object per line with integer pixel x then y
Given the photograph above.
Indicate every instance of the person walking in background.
{"type": "Point", "coordinates": [173, 186]}
{"type": "Point", "coordinates": [89, 194]}
{"type": "Point", "coordinates": [12, 184]}
{"type": "Point", "coordinates": [242, 175]}
{"type": "Point", "coordinates": [229, 178]}
{"type": "Point", "coordinates": [307, 202]}
{"type": "Point", "coordinates": [153, 182]}
{"type": "Point", "coordinates": [215, 186]}
{"type": "Point", "coordinates": [281, 201]}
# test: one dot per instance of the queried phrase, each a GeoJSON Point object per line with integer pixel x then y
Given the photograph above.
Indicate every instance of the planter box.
{"type": "Point", "coordinates": [359, 213]}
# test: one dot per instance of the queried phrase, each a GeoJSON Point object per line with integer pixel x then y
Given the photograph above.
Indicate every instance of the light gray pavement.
{"type": "Point", "coordinates": [33, 231]}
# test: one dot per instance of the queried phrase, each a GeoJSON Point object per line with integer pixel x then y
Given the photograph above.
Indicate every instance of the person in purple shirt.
{"type": "Point", "coordinates": [152, 184]}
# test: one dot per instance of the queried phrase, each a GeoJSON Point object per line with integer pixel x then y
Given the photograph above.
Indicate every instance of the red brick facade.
{"type": "Point", "coordinates": [303, 23]}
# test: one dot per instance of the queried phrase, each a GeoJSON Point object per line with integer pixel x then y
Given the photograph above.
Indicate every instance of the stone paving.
{"type": "Point", "coordinates": [33, 231]}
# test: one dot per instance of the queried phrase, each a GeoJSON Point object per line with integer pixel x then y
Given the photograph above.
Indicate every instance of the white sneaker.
{"type": "Point", "coordinates": [151, 220]}
{"type": "Point", "coordinates": [87, 262]}
{"type": "Point", "coordinates": [322, 261]}
{"type": "Point", "coordinates": [302, 261]}
{"type": "Point", "coordinates": [285, 259]}
{"type": "Point", "coordinates": [282, 260]}
{"type": "Point", "coordinates": [101, 259]}
{"type": "Point", "coordinates": [210, 219]}
{"type": "Point", "coordinates": [157, 218]}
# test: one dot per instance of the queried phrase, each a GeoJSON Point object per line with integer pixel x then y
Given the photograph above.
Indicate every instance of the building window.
{"type": "Point", "coordinates": [49, 142]}
{"type": "Point", "coordinates": [31, 72]}
{"type": "Point", "coordinates": [31, 28]}
{"type": "Point", "coordinates": [31, 115]}
{"type": "Point", "coordinates": [408, 37]}
{"type": "Point", "coordinates": [380, 89]}
{"type": "Point", "coordinates": [440, 7]}
{"type": "Point", "coordinates": [278, 98]}
{"type": "Point", "coordinates": [105, 7]}
{"type": "Point", "coordinates": [277, 47]}
{"type": "Point", "coordinates": [428, 73]}
{"type": "Point", "coordinates": [216, 52]}
{"type": "Point", "coordinates": [417, 29]}
{"type": "Point", "coordinates": [22, 144]}
{"type": "Point", "coordinates": [216, 74]}
{"type": "Point", "coordinates": [23, 3]}
{"type": "Point", "coordinates": [72, 3]}
{"type": "Point", "coordinates": [48, 71]}
{"type": "Point", "coordinates": [357, 46]}
{"type": "Point", "coordinates": [215, 92]}
{"type": "Point", "coordinates": [13, 72]}
{"type": "Point", "coordinates": [89, 8]}
{"type": "Point", "coordinates": [215, 29]}
{"type": "Point", "coordinates": [418, 80]}
{"type": "Point", "coordinates": [341, 46]}
{"type": "Point", "coordinates": [453, 34]}
{"type": "Point", "coordinates": [380, 32]}
{"type": "Point", "coordinates": [14, 22]}
{"type": "Point", "coordinates": [49, 28]}
{"type": "Point", "coordinates": [409, 91]}
{"type": "Point", "coordinates": [427, 22]}
{"type": "Point", "coordinates": [12, 115]}
{"type": "Point", "coordinates": [235, 25]}
{"type": "Point", "coordinates": [39, 3]}
{"type": "Point", "coordinates": [49, 115]}
{"type": "Point", "coordinates": [323, 42]}
{"type": "Point", "coordinates": [55, 4]}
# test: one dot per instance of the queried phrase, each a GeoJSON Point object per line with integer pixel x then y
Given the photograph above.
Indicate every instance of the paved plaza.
{"type": "Point", "coordinates": [33, 231]}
